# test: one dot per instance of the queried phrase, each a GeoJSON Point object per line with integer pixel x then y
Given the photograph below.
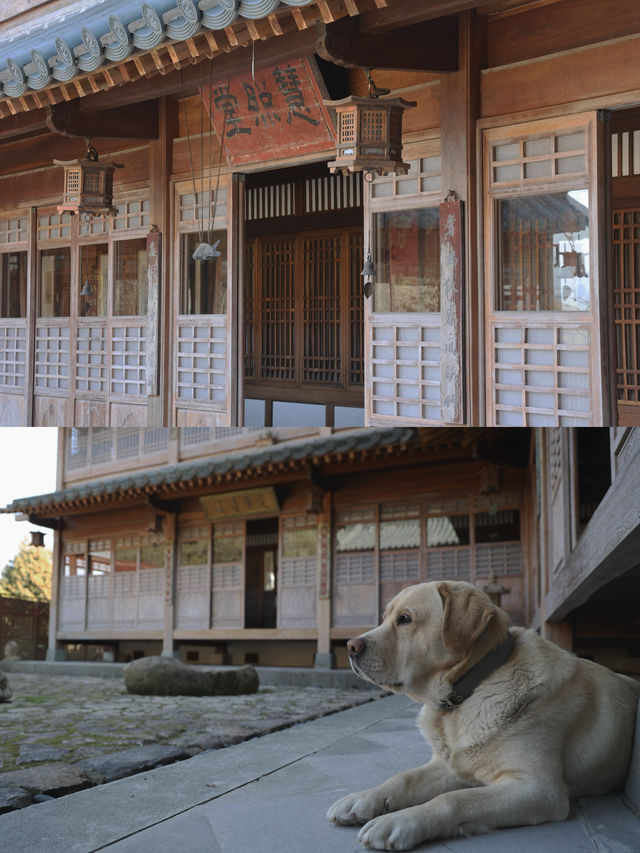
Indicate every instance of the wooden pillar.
{"type": "Point", "coordinates": [324, 659]}
{"type": "Point", "coordinates": [460, 92]}
{"type": "Point", "coordinates": [171, 533]}
{"type": "Point", "coordinates": [54, 649]}
{"type": "Point", "coordinates": [160, 166]}
{"type": "Point", "coordinates": [235, 303]}
{"type": "Point", "coordinates": [32, 284]}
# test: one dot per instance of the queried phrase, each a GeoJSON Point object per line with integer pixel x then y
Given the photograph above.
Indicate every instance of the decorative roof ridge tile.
{"type": "Point", "coordinates": [234, 461]}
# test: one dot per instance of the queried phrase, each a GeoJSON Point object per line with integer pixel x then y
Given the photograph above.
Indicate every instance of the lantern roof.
{"type": "Point", "coordinates": [363, 100]}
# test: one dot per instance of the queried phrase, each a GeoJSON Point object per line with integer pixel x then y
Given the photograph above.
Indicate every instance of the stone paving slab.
{"type": "Point", "coordinates": [92, 726]}
{"type": "Point", "coordinates": [270, 795]}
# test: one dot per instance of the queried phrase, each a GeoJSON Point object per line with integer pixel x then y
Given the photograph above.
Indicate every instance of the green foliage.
{"type": "Point", "coordinates": [28, 574]}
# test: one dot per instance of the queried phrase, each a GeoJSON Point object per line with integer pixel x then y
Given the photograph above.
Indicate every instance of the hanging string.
{"type": "Point", "coordinates": [186, 124]}
{"type": "Point", "coordinates": [219, 169]}
{"type": "Point", "coordinates": [201, 214]}
{"type": "Point", "coordinates": [212, 200]}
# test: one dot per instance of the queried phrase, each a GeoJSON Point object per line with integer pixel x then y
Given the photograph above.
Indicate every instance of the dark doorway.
{"type": "Point", "coordinates": [260, 604]}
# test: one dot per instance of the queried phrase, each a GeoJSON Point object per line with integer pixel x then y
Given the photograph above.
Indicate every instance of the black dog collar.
{"type": "Point", "coordinates": [463, 688]}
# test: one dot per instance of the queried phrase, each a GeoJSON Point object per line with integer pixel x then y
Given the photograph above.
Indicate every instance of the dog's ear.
{"type": "Point", "coordinates": [467, 614]}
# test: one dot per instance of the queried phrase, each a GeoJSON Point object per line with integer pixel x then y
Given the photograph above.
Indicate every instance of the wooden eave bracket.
{"type": "Point", "coordinates": [136, 121]}
{"type": "Point", "coordinates": [428, 46]}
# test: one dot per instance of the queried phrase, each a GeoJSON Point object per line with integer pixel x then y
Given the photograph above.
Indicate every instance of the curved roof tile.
{"type": "Point", "coordinates": [80, 39]}
{"type": "Point", "coordinates": [199, 470]}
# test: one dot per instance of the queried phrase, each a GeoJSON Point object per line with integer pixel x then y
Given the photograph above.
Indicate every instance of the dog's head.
{"type": "Point", "coordinates": [438, 629]}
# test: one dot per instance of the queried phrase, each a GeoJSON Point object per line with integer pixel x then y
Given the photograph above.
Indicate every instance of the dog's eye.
{"type": "Point", "coordinates": [403, 619]}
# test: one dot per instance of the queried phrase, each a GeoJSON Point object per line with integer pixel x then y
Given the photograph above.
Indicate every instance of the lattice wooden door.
{"type": "Point", "coordinates": [303, 312]}
{"type": "Point", "coordinates": [626, 312]}
{"type": "Point", "coordinates": [625, 190]}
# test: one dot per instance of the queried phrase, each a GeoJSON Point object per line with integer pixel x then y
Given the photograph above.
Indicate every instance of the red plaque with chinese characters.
{"type": "Point", "coordinates": [278, 113]}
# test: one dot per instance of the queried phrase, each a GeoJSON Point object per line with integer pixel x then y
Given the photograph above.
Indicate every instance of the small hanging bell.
{"type": "Point", "coordinates": [204, 251]}
{"type": "Point", "coordinates": [369, 269]}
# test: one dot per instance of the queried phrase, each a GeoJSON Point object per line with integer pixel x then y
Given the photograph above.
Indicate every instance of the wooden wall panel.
{"type": "Point", "coordinates": [52, 411]}
{"type": "Point", "coordinates": [90, 413]}
{"type": "Point", "coordinates": [46, 184]}
{"type": "Point", "coordinates": [604, 71]}
{"type": "Point", "coordinates": [12, 410]}
{"type": "Point", "coordinates": [559, 26]}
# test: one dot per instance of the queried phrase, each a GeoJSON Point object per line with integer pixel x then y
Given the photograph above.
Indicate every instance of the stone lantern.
{"type": "Point", "coordinates": [496, 590]}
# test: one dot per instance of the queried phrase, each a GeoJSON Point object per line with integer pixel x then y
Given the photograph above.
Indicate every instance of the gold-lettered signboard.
{"type": "Point", "coordinates": [243, 503]}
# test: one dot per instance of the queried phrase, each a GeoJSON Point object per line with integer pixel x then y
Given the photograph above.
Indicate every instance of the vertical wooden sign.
{"type": "Point", "coordinates": [451, 307]}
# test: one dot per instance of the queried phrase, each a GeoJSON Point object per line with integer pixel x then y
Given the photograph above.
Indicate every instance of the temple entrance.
{"type": "Point", "coordinates": [261, 573]}
{"type": "Point", "coordinates": [625, 206]}
{"type": "Point", "coordinates": [303, 302]}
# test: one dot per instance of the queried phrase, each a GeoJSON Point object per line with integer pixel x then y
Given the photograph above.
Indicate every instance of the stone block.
{"type": "Point", "coordinates": [5, 690]}
{"type": "Point", "coordinates": [118, 765]}
{"type": "Point", "coordinates": [54, 779]}
{"type": "Point", "coordinates": [13, 797]}
{"type": "Point", "coordinates": [163, 676]}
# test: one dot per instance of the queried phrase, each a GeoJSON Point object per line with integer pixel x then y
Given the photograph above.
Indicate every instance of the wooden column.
{"type": "Point", "coordinates": [171, 533]}
{"type": "Point", "coordinates": [460, 92]}
{"type": "Point", "coordinates": [54, 649]}
{"type": "Point", "coordinates": [160, 165]}
{"type": "Point", "coordinates": [324, 659]}
{"type": "Point", "coordinates": [235, 303]}
{"type": "Point", "coordinates": [32, 285]}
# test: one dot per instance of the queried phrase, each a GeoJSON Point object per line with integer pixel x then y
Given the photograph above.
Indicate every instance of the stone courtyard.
{"type": "Point", "coordinates": [62, 733]}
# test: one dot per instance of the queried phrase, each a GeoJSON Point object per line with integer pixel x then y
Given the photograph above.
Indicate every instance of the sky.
{"type": "Point", "coordinates": [27, 467]}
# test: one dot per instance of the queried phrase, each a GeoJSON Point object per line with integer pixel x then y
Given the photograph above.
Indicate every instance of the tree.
{"type": "Point", "coordinates": [28, 574]}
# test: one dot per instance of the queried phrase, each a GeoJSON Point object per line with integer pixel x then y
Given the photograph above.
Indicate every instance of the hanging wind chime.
{"type": "Point", "coordinates": [206, 248]}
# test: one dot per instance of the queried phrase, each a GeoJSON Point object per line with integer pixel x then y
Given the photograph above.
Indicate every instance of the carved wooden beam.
{"type": "Point", "coordinates": [139, 121]}
{"type": "Point", "coordinates": [427, 46]}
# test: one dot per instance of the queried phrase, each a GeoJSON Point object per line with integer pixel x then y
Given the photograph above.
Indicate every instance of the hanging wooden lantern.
{"type": "Point", "coordinates": [88, 185]}
{"type": "Point", "coordinates": [369, 134]}
{"type": "Point", "coordinates": [37, 538]}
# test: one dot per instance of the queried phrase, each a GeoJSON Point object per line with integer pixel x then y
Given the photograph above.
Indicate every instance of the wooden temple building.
{"type": "Point", "coordinates": [499, 235]}
{"type": "Point", "coordinates": [274, 546]}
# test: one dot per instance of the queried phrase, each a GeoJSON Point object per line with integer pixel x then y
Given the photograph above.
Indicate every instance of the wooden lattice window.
{"type": "Point", "coordinates": [626, 298]}
{"type": "Point", "coordinates": [13, 353]}
{"type": "Point", "coordinates": [132, 215]}
{"type": "Point", "coordinates": [13, 230]}
{"type": "Point", "coordinates": [543, 353]}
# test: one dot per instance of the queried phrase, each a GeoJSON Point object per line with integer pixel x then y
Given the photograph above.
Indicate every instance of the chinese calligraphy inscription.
{"type": "Point", "coordinates": [278, 113]}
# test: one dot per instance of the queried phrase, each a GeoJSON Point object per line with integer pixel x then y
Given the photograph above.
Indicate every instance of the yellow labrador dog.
{"type": "Point", "coordinates": [517, 725]}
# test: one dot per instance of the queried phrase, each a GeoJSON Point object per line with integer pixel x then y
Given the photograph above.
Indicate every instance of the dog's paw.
{"type": "Point", "coordinates": [356, 809]}
{"type": "Point", "coordinates": [398, 831]}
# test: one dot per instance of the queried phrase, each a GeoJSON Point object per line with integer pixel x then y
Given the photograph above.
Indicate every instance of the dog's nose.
{"type": "Point", "coordinates": [355, 647]}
